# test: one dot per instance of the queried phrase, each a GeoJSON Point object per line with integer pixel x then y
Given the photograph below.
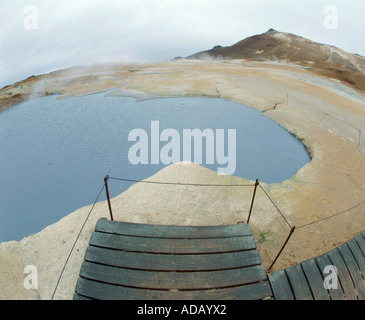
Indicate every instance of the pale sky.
{"type": "Point", "coordinates": [69, 32]}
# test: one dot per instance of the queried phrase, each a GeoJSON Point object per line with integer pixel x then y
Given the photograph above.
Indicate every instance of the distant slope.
{"type": "Point", "coordinates": [278, 46]}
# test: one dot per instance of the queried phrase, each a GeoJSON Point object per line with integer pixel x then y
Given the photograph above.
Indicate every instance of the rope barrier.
{"type": "Point", "coordinates": [238, 185]}
{"type": "Point", "coordinates": [331, 216]}
{"type": "Point", "coordinates": [277, 208]}
{"type": "Point", "coordinates": [302, 226]}
{"type": "Point", "coordinates": [77, 238]}
{"type": "Point", "coordinates": [292, 229]}
{"type": "Point", "coordinates": [183, 184]}
{"type": "Point", "coordinates": [313, 222]}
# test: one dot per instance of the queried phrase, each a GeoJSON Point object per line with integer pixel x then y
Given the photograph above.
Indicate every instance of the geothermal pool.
{"type": "Point", "coordinates": [55, 153]}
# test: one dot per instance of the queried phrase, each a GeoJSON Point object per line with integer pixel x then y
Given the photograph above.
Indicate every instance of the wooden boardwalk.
{"type": "Point", "coordinates": [305, 281]}
{"type": "Point", "coordinates": [149, 262]}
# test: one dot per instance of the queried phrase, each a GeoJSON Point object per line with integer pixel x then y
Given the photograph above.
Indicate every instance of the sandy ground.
{"type": "Point", "coordinates": [326, 115]}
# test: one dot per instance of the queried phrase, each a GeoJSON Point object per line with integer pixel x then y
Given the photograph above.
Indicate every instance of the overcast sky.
{"type": "Point", "coordinates": [55, 34]}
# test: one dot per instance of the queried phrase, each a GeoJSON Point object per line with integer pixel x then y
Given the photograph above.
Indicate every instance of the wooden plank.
{"type": "Point", "coordinates": [280, 286]}
{"type": "Point", "coordinates": [343, 274]}
{"type": "Point", "coordinates": [359, 257]}
{"type": "Point", "coordinates": [136, 261]}
{"type": "Point", "coordinates": [315, 280]}
{"type": "Point", "coordinates": [323, 261]}
{"type": "Point", "coordinates": [172, 280]}
{"type": "Point", "coordinates": [298, 283]}
{"type": "Point", "coordinates": [361, 242]}
{"type": "Point", "coordinates": [161, 262]}
{"type": "Point", "coordinates": [179, 246]}
{"type": "Point", "coordinates": [353, 269]}
{"type": "Point", "coordinates": [87, 289]}
{"type": "Point", "coordinates": [172, 232]}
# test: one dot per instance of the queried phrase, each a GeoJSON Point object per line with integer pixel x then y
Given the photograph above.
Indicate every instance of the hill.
{"type": "Point", "coordinates": [277, 46]}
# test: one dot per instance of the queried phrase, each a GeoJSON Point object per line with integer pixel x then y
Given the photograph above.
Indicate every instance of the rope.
{"type": "Point", "coordinates": [334, 215]}
{"type": "Point", "coordinates": [237, 185]}
{"type": "Point", "coordinates": [183, 184]}
{"type": "Point", "coordinates": [277, 208]}
{"type": "Point", "coordinates": [69, 255]}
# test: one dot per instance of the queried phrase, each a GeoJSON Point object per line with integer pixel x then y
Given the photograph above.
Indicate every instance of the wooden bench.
{"type": "Point", "coordinates": [150, 262]}
{"type": "Point", "coordinates": [305, 280]}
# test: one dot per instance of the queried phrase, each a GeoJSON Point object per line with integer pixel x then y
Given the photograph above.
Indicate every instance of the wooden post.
{"type": "Point", "coordinates": [107, 196]}
{"type": "Point", "coordinates": [253, 199]}
{"type": "Point", "coordinates": [282, 248]}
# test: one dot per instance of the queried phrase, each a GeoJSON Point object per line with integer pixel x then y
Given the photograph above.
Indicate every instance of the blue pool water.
{"type": "Point", "coordinates": [55, 153]}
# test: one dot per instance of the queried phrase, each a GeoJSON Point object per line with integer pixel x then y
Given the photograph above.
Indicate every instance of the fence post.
{"type": "Point", "coordinates": [107, 196]}
{"type": "Point", "coordinates": [282, 248]}
{"type": "Point", "coordinates": [253, 199]}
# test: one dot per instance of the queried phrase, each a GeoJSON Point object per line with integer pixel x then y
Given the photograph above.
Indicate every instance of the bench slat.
{"type": "Point", "coordinates": [315, 280]}
{"type": "Point", "coordinates": [298, 283]}
{"type": "Point", "coordinates": [280, 285]}
{"type": "Point", "coordinates": [88, 289]}
{"type": "Point", "coordinates": [172, 232]}
{"type": "Point", "coordinates": [361, 242]}
{"type": "Point", "coordinates": [353, 269]}
{"type": "Point", "coordinates": [323, 261]}
{"type": "Point", "coordinates": [172, 262]}
{"type": "Point", "coordinates": [172, 280]}
{"type": "Point", "coordinates": [343, 274]}
{"type": "Point", "coordinates": [359, 257]}
{"type": "Point", "coordinates": [179, 246]}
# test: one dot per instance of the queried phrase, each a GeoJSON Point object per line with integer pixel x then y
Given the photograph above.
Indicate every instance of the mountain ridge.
{"type": "Point", "coordinates": [278, 46]}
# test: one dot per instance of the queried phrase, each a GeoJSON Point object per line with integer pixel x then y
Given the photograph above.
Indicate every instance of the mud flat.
{"type": "Point", "coordinates": [325, 114]}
